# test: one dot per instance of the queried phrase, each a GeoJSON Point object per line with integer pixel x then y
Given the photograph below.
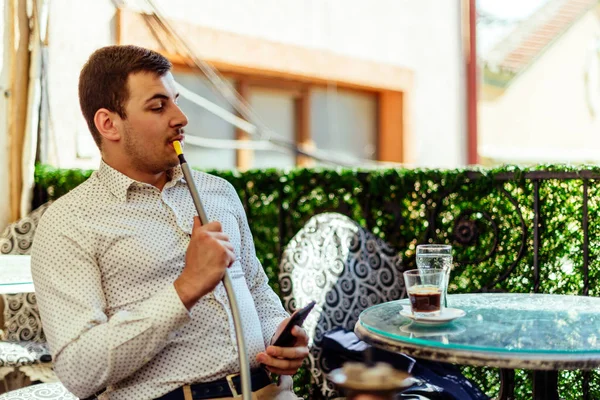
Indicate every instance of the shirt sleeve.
{"type": "Point", "coordinates": [268, 305]}
{"type": "Point", "coordinates": [90, 350]}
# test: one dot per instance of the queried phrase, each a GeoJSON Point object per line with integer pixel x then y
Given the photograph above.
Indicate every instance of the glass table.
{"type": "Point", "coordinates": [539, 332]}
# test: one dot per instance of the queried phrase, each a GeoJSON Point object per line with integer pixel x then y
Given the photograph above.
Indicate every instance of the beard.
{"type": "Point", "coordinates": [144, 158]}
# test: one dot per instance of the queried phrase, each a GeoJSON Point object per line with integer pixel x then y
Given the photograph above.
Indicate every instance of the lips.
{"type": "Point", "coordinates": [179, 138]}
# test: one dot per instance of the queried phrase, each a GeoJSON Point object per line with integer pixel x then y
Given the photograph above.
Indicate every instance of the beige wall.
{"type": "Point", "coordinates": [423, 36]}
{"type": "Point", "coordinates": [77, 28]}
{"type": "Point", "coordinates": [543, 116]}
{"type": "Point", "coordinates": [4, 71]}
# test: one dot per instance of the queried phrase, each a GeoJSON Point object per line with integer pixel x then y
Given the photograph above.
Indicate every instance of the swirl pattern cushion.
{"type": "Point", "coordinates": [49, 391]}
{"type": "Point", "coordinates": [345, 269]}
{"type": "Point", "coordinates": [22, 323]}
{"type": "Point", "coordinates": [22, 319]}
{"type": "Point", "coordinates": [17, 238]}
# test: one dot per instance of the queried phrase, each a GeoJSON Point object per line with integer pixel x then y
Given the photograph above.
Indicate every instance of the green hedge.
{"type": "Point", "coordinates": [487, 215]}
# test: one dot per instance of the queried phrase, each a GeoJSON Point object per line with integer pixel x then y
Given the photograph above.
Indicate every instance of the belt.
{"type": "Point", "coordinates": [230, 386]}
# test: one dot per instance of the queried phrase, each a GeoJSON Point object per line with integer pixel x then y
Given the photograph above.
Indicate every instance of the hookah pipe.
{"type": "Point", "coordinates": [235, 311]}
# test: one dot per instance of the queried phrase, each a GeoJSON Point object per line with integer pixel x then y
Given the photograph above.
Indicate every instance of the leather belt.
{"type": "Point", "coordinates": [230, 386]}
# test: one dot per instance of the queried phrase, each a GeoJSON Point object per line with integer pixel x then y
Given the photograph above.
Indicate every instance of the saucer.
{"type": "Point", "coordinates": [362, 378]}
{"type": "Point", "coordinates": [447, 315]}
{"type": "Point", "coordinates": [414, 329]}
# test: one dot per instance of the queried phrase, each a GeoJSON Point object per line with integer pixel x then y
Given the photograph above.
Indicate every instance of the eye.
{"type": "Point", "coordinates": [158, 107]}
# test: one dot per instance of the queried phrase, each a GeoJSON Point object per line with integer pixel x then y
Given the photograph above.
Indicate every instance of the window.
{"type": "Point", "coordinates": [345, 122]}
{"type": "Point", "coordinates": [275, 108]}
{"type": "Point", "coordinates": [202, 123]}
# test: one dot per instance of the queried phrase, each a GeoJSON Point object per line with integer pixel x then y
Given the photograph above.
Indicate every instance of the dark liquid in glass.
{"type": "Point", "coordinates": [425, 299]}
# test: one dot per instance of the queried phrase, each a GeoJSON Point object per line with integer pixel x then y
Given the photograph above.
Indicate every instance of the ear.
{"type": "Point", "coordinates": [108, 124]}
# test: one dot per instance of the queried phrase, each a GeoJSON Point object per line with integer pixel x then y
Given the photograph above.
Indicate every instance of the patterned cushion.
{"type": "Point", "coordinates": [18, 237]}
{"type": "Point", "coordinates": [22, 318]}
{"type": "Point", "coordinates": [46, 391]}
{"type": "Point", "coordinates": [345, 269]}
{"type": "Point", "coordinates": [22, 324]}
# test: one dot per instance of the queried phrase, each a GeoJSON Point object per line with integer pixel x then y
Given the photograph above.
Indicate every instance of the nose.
{"type": "Point", "coordinates": [179, 119]}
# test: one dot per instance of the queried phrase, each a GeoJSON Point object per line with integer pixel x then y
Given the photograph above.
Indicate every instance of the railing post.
{"type": "Point", "coordinates": [586, 283]}
{"type": "Point", "coordinates": [536, 235]}
{"type": "Point", "coordinates": [363, 178]}
{"type": "Point", "coordinates": [282, 224]}
{"type": "Point", "coordinates": [586, 268]}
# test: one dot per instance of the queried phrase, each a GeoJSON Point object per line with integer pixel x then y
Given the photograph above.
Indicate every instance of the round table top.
{"type": "Point", "coordinates": [508, 330]}
{"type": "Point", "coordinates": [16, 274]}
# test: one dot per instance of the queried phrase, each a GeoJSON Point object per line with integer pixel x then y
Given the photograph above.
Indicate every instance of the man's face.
{"type": "Point", "coordinates": [153, 121]}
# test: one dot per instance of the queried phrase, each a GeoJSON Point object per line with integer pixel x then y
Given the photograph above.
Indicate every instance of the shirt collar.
{"type": "Point", "coordinates": [119, 183]}
{"type": "Point", "coordinates": [175, 175]}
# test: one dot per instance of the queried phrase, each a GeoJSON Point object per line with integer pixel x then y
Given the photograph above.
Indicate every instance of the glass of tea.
{"type": "Point", "coordinates": [426, 289]}
{"type": "Point", "coordinates": [436, 256]}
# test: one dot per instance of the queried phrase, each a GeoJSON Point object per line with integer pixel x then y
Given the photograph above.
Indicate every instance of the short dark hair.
{"type": "Point", "coordinates": [103, 79]}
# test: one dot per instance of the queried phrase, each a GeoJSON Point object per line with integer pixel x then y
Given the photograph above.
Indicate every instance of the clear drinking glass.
{"type": "Point", "coordinates": [425, 288]}
{"type": "Point", "coordinates": [436, 256]}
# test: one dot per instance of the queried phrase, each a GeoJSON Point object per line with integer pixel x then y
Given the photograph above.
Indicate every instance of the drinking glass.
{"type": "Point", "coordinates": [425, 288]}
{"type": "Point", "coordinates": [436, 256]}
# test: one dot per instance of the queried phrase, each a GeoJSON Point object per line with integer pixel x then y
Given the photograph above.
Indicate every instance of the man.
{"type": "Point", "coordinates": [127, 279]}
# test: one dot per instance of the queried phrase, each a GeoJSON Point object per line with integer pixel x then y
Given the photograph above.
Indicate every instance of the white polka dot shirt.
{"type": "Point", "coordinates": [104, 260]}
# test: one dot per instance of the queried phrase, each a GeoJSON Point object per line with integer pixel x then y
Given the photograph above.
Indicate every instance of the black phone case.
{"type": "Point", "coordinates": [286, 339]}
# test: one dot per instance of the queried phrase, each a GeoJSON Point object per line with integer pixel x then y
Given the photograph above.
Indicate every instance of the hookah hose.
{"type": "Point", "coordinates": [235, 310]}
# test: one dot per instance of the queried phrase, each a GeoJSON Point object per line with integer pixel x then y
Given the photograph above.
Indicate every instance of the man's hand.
{"type": "Point", "coordinates": [208, 256]}
{"type": "Point", "coordinates": [286, 360]}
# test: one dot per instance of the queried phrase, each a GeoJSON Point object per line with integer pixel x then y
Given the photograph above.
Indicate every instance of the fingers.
{"type": "Point", "coordinates": [219, 236]}
{"type": "Point", "coordinates": [213, 226]}
{"type": "Point", "coordinates": [214, 231]}
{"type": "Point", "coordinates": [286, 360]}
{"type": "Point", "coordinates": [227, 245]}
{"type": "Point", "coordinates": [301, 336]}
{"type": "Point", "coordinates": [291, 353]}
{"type": "Point", "coordinates": [280, 366]}
{"type": "Point", "coordinates": [197, 223]}
{"type": "Point", "coordinates": [231, 258]}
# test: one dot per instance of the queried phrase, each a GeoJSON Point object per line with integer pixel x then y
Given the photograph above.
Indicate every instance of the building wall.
{"type": "Point", "coordinates": [4, 72]}
{"type": "Point", "coordinates": [544, 115]}
{"type": "Point", "coordinates": [422, 36]}
{"type": "Point", "coordinates": [77, 28]}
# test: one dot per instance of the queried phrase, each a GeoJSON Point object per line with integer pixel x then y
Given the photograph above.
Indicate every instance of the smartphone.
{"type": "Point", "coordinates": [285, 338]}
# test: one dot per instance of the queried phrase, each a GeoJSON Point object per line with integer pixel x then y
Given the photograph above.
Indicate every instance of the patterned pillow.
{"type": "Point", "coordinates": [21, 316]}
{"type": "Point", "coordinates": [22, 319]}
{"type": "Point", "coordinates": [345, 269]}
{"type": "Point", "coordinates": [17, 238]}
